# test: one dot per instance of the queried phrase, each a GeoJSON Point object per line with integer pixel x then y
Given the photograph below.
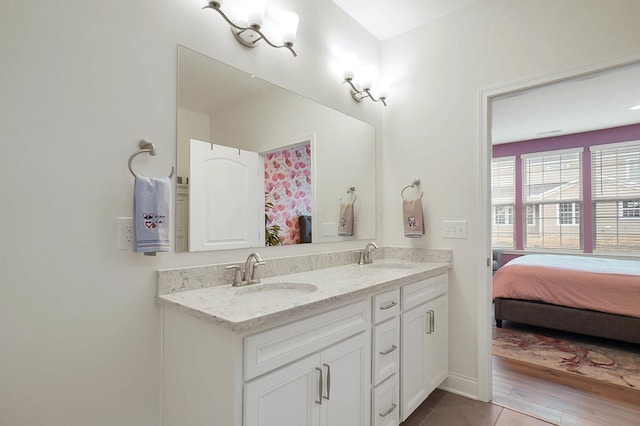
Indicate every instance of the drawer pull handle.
{"type": "Point", "coordinates": [389, 411]}
{"type": "Point", "coordinates": [328, 382]}
{"type": "Point", "coordinates": [319, 401]}
{"type": "Point", "coordinates": [388, 305]}
{"type": "Point", "coordinates": [388, 351]}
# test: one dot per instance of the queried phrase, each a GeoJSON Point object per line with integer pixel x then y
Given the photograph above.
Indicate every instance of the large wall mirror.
{"type": "Point", "coordinates": [259, 165]}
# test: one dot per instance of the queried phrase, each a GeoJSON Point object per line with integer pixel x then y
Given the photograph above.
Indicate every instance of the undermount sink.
{"type": "Point", "coordinates": [389, 265]}
{"type": "Point", "coordinates": [274, 291]}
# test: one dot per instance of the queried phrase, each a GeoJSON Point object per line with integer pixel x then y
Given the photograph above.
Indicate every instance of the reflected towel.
{"type": "Point", "coordinates": [413, 218]}
{"type": "Point", "coordinates": [151, 207]}
{"type": "Point", "coordinates": [345, 221]}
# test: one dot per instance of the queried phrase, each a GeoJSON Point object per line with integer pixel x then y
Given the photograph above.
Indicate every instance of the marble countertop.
{"type": "Point", "coordinates": [247, 307]}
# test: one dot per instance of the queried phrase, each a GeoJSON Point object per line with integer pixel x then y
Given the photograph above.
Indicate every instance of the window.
{"type": "Point", "coordinates": [568, 214]}
{"type": "Point", "coordinates": [552, 192]}
{"type": "Point", "coordinates": [503, 200]}
{"type": "Point", "coordinates": [503, 215]}
{"type": "Point", "coordinates": [531, 214]}
{"type": "Point", "coordinates": [615, 191]}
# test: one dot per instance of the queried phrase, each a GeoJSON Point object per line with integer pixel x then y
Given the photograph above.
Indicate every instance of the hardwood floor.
{"type": "Point", "coordinates": [526, 395]}
{"type": "Point", "coordinates": [562, 398]}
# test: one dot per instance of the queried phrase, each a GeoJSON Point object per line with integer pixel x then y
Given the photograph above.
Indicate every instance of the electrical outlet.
{"type": "Point", "coordinates": [125, 233]}
{"type": "Point", "coordinates": [329, 229]}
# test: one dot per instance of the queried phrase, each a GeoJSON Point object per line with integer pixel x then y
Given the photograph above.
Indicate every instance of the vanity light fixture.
{"type": "Point", "coordinates": [358, 94]}
{"type": "Point", "coordinates": [247, 30]}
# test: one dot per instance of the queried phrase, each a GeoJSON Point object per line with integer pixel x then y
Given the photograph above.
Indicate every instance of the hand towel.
{"type": "Point", "coordinates": [151, 207]}
{"type": "Point", "coordinates": [413, 218]}
{"type": "Point", "coordinates": [345, 221]}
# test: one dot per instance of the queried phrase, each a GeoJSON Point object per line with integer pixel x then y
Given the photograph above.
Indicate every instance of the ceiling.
{"type": "Point", "coordinates": [599, 101]}
{"type": "Point", "coordinates": [387, 19]}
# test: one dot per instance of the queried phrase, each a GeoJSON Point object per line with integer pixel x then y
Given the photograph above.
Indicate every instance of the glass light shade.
{"type": "Point", "coordinates": [255, 12]}
{"type": "Point", "coordinates": [289, 26]}
{"type": "Point", "coordinates": [637, 107]}
{"type": "Point", "coordinates": [366, 81]}
{"type": "Point", "coordinates": [382, 89]}
{"type": "Point", "coordinates": [348, 66]}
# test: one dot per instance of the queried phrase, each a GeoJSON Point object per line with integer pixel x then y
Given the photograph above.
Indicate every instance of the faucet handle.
{"type": "Point", "coordinates": [237, 278]}
{"type": "Point", "coordinates": [361, 256]}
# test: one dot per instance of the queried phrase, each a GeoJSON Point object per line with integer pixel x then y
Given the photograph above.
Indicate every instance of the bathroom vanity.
{"type": "Point", "coordinates": [342, 345]}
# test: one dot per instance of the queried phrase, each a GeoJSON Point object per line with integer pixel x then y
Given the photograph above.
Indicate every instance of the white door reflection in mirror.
{"type": "Point", "coordinates": [225, 198]}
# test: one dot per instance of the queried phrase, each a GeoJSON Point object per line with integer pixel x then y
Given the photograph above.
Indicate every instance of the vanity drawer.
{"type": "Point", "coordinates": [386, 349]}
{"type": "Point", "coordinates": [273, 348]}
{"type": "Point", "coordinates": [418, 293]}
{"type": "Point", "coordinates": [386, 403]}
{"type": "Point", "coordinates": [386, 305]}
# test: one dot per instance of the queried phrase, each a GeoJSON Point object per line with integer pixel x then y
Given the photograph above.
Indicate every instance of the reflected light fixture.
{"type": "Point", "coordinates": [358, 94]}
{"type": "Point", "coordinates": [637, 107]}
{"type": "Point", "coordinates": [247, 30]}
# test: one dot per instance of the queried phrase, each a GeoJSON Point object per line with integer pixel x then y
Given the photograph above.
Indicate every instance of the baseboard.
{"type": "Point", "coordinates": [461, 385]}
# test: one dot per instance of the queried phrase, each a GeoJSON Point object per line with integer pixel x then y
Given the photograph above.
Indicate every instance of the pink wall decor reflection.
{"type": "Point", "coordinates": [287, 175]}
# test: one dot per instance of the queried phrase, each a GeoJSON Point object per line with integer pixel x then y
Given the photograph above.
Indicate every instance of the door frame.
{"type": "Point", "coordinates": [485, 98]}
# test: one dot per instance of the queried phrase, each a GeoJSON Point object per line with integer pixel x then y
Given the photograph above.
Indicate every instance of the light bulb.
{"type": "Point", "coordinates": [255, 12]}
{"type": "Point", "coordinates": [289, 26]}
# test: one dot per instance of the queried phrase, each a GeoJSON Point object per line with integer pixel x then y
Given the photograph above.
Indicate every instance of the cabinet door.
{"type": "Point", "coordinates": [347, 374]}
{"type": "Point", "coordinates": [437, 344]}
{"type": "Point", "coordinates": [287, 396]}
{"type": "Point", "coordinates": [424, 343]}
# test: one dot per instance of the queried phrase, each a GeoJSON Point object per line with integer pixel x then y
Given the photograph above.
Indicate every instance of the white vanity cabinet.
{"type": "Point", "coordinates": [371, 362]}
{"type": "Point", "coordinates": [313, 371]}
{"type": "Point", "coordinates": [424, 340]}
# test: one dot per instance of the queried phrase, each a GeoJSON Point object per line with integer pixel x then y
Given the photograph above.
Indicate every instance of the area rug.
{"type": "Point", "coordinates": [616, 364]}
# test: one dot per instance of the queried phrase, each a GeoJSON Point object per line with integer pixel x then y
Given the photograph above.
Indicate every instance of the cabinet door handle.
{"type": "Point", "coordinates": [388, 351]}
{"type": "Point", "coordinates": [389, 411]}
{"type": "Point", "coordinates": [433, 321]}
{"type": "Point", "coordinates": [388, 305]}
{"type": "Point", "coordinates": [328, 382]}
{"type": "Point", "coordinates": [319, 401]}
{"type": "Point", "coordinates": [429, 318]}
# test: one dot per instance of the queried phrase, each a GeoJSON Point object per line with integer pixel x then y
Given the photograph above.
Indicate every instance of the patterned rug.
{"type": "Point", "coordinates": [598, 359]}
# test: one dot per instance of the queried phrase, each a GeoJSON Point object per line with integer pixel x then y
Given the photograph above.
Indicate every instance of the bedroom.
{"type": "Point", "coordinates": [565, 173]}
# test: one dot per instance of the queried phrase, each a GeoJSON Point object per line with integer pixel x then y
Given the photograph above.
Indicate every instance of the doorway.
{"type": "Point", "coordinates": [488, 97]}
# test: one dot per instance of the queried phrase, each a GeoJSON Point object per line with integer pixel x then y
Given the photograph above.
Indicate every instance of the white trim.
{"type": "Point", "coordinates": [615, 145]}
{"type": "Point", "coordinates": [556, 152]}
{"type": "Point", "coordinates": [483, 200]}
{"type": "Point", "coordinates": [461, 385]}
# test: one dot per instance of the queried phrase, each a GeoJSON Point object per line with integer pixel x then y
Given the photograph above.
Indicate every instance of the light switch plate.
{"type": "Point", "coordinates": [454, 229]}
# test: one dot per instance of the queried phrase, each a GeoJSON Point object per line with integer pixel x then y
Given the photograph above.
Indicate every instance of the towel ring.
{"type": "Point", "coordinates": [352, 191]}
{"type": "Point", "coordinates": [146, 146]}
{"type": "Point", "coordinates": [413, 185]}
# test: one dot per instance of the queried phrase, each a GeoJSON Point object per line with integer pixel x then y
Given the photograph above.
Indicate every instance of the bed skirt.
{"type": "Point", "coordinates": [582, 321]}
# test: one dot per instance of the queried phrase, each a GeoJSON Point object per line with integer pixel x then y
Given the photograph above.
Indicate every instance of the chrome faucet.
{"type": "Point", "coordinates": [365, 255]}
{"type": "Point", "coordinates": [248, 274]}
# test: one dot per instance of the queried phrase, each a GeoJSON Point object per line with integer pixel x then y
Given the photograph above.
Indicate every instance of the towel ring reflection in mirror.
{"type": "Point", "coordinates": [415, 183]}
{"type": "Point", "coordinates": [146, 146]}
{"type": "Point", "coordinates": [352, 191]}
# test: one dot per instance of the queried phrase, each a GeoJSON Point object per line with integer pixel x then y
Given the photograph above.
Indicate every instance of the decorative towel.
{"type": "Point", "coordinates": [345, 220]}
{"type": "Point", "coordinates": [151, 207]}
{"type": "Point", "coordinates": [413, 218]}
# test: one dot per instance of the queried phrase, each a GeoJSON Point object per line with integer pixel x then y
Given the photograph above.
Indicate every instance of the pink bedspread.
{"type": "Point", "coordinates": [613, 293]}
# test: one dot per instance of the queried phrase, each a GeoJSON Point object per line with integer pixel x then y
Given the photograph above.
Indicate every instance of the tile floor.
{"type": "Point", "coordinates": [448, 409]}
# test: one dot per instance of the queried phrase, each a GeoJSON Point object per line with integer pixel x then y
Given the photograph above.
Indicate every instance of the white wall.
{"type": "Point", "coordinates": [431, 127]}
{"type": "Point", "coordinates": [81, 81]}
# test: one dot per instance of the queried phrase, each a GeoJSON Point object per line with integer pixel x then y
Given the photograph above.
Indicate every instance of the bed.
{"type": "Point", "coordinates": [580, 294]}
